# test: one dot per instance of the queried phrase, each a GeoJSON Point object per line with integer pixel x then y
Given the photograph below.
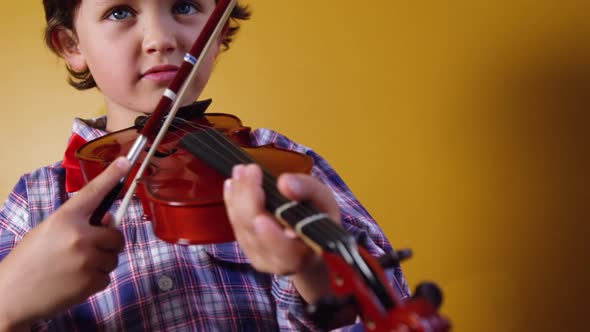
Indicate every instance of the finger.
{"type": "Point", "coordinates": [244, 196]}
{"type": "Point", "coordinates": [86, 201]}
{"type": "Point", "coordinates": [108, 220]}
{"type": "Point", "coordinates": [301, 187]}
{"type": "Point", "coordinates": [284, 254]}
{"type": "Point", "coordinates": [107, 262]}
{"type": "Point", "coordinates": [269, 247]}
{"type": "Point", "coordinates": [100, 281]}
{"type": "Point", "coordinates": [244, 200]}
{"type": "Point", "coordinates": [107, 239]}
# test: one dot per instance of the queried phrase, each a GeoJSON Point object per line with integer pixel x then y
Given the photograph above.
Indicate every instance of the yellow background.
{"type": "Point", "coordinates": [461, 125]}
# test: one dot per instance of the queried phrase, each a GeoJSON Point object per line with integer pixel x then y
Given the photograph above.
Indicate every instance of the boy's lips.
{"type": "Point", "coordinates": [162, 73]}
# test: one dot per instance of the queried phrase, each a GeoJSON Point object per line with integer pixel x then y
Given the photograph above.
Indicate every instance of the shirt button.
{"type": "Point", "coordinates": [165, 283]}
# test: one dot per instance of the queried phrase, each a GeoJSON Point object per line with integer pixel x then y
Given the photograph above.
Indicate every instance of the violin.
{"type": "Point", "coordinates": [172, 186]}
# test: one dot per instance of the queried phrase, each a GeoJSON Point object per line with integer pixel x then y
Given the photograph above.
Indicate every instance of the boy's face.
{"type": "Point", "coordinates": [134, 47]}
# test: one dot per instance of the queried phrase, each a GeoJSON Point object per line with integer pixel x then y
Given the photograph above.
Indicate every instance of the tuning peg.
{"type": "Point", "coordinates": [141, 120]}
{"type": "Point", "coordinates": [394, 258]}
{"type": "Point", "coordinates": [431, 292]}
{"type": "Point", "coordinates": [323, 312]}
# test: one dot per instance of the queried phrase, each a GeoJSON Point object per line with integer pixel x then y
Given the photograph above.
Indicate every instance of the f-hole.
{"type": "Point", "coordinates": [163, 154]}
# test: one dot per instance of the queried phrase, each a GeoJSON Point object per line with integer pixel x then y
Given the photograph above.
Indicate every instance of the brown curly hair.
{"type": "Point", "coordinates": [60, 14]}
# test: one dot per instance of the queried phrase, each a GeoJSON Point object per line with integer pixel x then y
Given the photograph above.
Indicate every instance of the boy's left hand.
{"type": "Point", "coordinates": [270, 247]}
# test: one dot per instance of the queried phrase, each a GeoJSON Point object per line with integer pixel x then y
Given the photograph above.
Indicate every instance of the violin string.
{"type": "Point", "coordinates": [276, 197]}
{"type": "Point", "coordinates": [302, 211]}
{"type": "Point", "coordinates": [240, 155]}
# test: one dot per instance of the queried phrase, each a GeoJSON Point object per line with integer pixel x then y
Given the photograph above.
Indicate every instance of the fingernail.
{"type": "Point", "coordinates": [293, 183]}
{"type": "Point", "coordinates": [226, 188]}
{"type": "Point", "coordinates": [237, 171]}
{"type": "Point", "coordinates": [290, 233]}
{"type": "Point", "coordinates": [122, 163]}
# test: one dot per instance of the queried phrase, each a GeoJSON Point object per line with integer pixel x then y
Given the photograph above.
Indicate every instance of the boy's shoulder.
{"type": "Point", "coordinates": [321, 168]}
{"type": "Point", "coordinates": [34, 197]}
{"type": "Point", "coordinates": [39, 178]}
{"type": "Point", "coordinates": [264, 136]}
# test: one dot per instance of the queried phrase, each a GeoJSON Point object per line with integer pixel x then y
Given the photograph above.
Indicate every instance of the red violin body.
{"type": "Point", "coordinates": [182, 196]}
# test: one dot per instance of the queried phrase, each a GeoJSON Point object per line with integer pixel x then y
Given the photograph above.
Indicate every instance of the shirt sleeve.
{"type": "Point", "coordinates": [15, 222]}
{"type": "Point", "coordinates": [291, 314]}
{"type": "Point", "coordinates": [7, 242]}
{"type": "Point", "coordinates": [14, 218]}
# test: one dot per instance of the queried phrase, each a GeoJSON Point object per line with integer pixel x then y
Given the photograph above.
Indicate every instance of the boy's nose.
{"type": "Point", "coordinates": [158, 39]}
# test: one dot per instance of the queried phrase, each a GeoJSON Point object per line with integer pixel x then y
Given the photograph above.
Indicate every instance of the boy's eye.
{"type": "Point", "coordinates": [118, 14]}
{"type": "Point", "coordinates": [184, 8]}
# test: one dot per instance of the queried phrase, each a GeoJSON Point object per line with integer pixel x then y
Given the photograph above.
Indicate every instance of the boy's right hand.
{"type": "Point", "coordinates": [63, 260]}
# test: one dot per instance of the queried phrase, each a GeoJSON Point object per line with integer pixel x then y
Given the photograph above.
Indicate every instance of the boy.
{"type": "Point", "coordinates": [131, 49]}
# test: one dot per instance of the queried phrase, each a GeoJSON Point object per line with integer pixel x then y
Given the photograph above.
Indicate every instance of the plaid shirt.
{"type": "Point", "coordinates": [162, 286]}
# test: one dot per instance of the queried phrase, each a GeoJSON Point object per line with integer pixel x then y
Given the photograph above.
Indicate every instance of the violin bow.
{"type": "Point", "coordinates": [168, 105]}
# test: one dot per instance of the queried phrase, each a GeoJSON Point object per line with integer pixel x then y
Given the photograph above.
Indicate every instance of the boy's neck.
{"type": "Point", "coordinates": [120, 120]}
{"type": "Point", "coordinates": [118, 117]}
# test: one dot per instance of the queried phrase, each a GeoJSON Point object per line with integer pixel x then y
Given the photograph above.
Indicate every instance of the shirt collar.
{"type": "Point", "coordinates": [82, 132]}
{"type": "Point", "coordinates": [90, 129]}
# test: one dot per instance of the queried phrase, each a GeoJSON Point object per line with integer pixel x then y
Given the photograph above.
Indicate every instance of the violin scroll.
{"type": "Point", "coordinates": [430, 292]}
{"type": "Point", "coordinates": [415, 314]}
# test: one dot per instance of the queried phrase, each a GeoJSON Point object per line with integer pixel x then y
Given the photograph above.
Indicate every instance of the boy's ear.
{"type": "Point", "coordinates": [66, 44]}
